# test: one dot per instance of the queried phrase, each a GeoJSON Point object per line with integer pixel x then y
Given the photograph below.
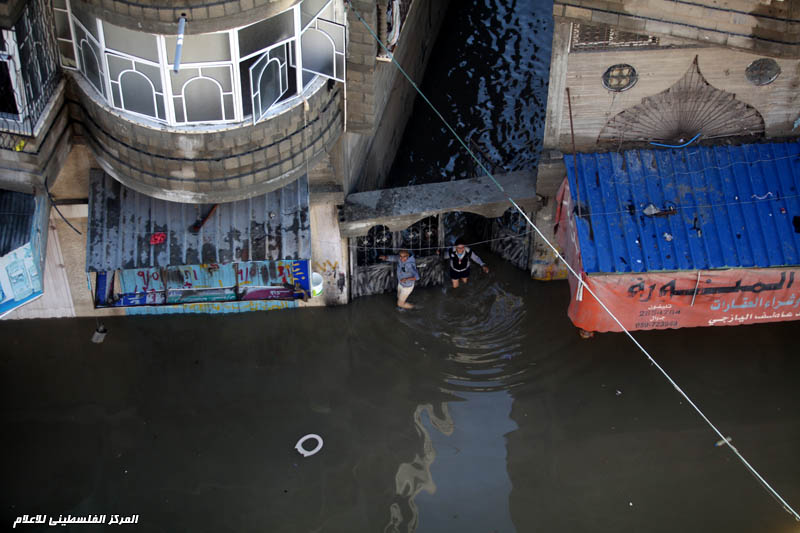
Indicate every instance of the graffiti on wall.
{"type": "Point", "coordinates": [382, 277]}
{"type": "Point", "coordinates": [190, 284]}
{"type": "Point", "coordinates": [511, 238]}
{"type": "Point", "coordinates": [212, 307]}
{"type": "Point", "coordinates": [20, 280]}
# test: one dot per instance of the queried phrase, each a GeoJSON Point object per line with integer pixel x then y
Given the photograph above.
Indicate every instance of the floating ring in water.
{"type": "Point", "coordinates": [303, 451]}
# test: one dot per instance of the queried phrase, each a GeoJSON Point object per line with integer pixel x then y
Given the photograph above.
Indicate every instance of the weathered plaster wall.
{"type": "Point", "coordinates": [329, 254]}
{"type": "Point", "coordinates": [770, 27]}
{"type": "Point", "coordinates": [593, 105]}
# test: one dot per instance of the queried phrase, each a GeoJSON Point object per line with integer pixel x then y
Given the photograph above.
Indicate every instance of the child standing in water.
{"type": "Point", "coordinates": [460, 257]}
{"type": "Point", "coordinates": [407, 274]}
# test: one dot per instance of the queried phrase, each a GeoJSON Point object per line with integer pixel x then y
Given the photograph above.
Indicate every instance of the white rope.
{"type": "Point", "coordinates": [752, 470]}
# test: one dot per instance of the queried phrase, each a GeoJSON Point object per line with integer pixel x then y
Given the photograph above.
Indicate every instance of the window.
{"type": "Point", "coordinates": [64, 34]}
{"type": "Point", "coordinates": [203, 94]}
{"type": "Point", "coordinates": [223, 77]}
{"type": "Point", "coordinates": [323, 49]}
{"type": "Point", "coordinates": [133, 43]}
{"type": "Point", "coordinates": [9, 107]}
{"type": "Point", "coordinates": [28, 70]}
{"type": "Point", "coordinates": [269, 80]}
{"type": "Point", "coordinates": [136, 86]}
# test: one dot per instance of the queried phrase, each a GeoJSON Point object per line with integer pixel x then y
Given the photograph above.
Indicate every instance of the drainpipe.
{"type": "Point", "coordinates": [179, 44]}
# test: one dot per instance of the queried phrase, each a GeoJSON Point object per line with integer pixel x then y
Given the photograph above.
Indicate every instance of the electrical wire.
{"type": "Point", "coordinates": [726, 441]}
{"type": "Point", "coordinates": [684, 145]}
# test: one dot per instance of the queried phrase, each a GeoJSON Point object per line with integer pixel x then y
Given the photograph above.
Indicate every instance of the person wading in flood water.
{"type": "Point", "coordinates": [460, 256]}
{"type": "Point", "coordinates": [407, 274]}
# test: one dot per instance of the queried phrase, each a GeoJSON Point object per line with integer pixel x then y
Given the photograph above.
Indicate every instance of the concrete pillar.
{"type": "Point", "coordinates": [556, 96]}
{"type": "Point", "coordinates": [545, 266]}
{"type": "Point", "coordinates": [329, 255]}
{"type": "Point", "coordinates": [382, 26]}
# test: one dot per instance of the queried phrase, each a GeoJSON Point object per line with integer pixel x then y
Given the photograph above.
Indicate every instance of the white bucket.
{"type": "Point", "coordinates": [316, 284]}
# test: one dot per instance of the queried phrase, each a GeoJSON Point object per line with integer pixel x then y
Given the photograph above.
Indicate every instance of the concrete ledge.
{"type": "Point", "coordinates": [399, 208]}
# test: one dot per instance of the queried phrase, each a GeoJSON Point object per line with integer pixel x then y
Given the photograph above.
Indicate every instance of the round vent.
{"type": "Point", "coordinates": [620, 77]}
{"type": "Point", "coordinates": [762, 71]}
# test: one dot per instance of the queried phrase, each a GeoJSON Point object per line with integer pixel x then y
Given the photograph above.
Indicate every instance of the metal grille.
{"type": "Point", "coordinates": [511, 238]}
{"type": "Point", "coordinates": [370, 275]}
{"type": "Point", "coordinates": [28, 73]}
{"type": "Point", "coordinates": [586, 38]}
{"type": "Point", "coordinates": [620, 77]}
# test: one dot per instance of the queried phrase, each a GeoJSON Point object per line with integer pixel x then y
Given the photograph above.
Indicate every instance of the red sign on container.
{"type": "Point", "coordinates": [158, 238]}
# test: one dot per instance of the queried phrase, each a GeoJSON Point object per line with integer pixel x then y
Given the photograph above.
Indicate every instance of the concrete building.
{"type": "Point", "coordinates": [158, 131]}
{"type": "Point", "coordinates": [626, 73]}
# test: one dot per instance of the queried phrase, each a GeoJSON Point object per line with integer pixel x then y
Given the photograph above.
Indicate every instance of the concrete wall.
{"type": "Point", "coordinates": [158, 16]}
{"type": "Point", "coordinates": [379, 99]}
{"type": "Point", "coordinates": [33, 159]}
{"type": "Point", "coordinates": [329, 254]}
{"type": "Point", "coordinates": [769, 27]}
{"type": "Point", "coordinates": [211, 166]}
{"type": "Point", "coordinates": [593, 105]}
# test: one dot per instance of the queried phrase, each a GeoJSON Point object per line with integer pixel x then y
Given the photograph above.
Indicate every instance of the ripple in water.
{"type": "Point", "coordinates": [475, 332]}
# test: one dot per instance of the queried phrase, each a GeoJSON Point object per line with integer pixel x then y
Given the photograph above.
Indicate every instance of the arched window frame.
{"type": "Point", "coordinates": [116, 83]}
{"type": "Point", "coordinates": [152, 89]}
{"type": "Point", "coordinates": [260, 112]}
{"type": "Point", "coordinates": [221, 100]}
{"type": "Point", "coordinates": [90, 40]}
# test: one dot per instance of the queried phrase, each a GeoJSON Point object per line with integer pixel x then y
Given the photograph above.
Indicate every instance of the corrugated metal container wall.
{"type": "Point", "coordinates": [123, 223]}
{"type": "Point", "coordinates": [16, 219]}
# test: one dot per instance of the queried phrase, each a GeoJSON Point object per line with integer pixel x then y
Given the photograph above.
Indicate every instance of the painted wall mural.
{"type": "Point", "coordinates": [20, 278]}
{"type": "Point", "coordinates": [178, 289]}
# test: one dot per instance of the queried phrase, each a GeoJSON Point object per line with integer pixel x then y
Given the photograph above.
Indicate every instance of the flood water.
{"type": "Point", "coordinates": [488, 77]}
{"type": "Point", "coordinates": [481, 411]}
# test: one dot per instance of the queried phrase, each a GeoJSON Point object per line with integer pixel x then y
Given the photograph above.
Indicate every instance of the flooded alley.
{"type": "Point", "coordinates": [480, 411]}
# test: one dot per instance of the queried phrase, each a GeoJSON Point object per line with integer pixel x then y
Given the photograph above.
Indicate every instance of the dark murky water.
{"type": "Point", "coordinates": [488, 77]}
{"type": "Point", "coordinates": [481, 411]}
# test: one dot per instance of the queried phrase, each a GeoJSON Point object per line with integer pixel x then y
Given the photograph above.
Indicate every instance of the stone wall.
{"type": "Point", "coordinates": [379, 99]}
{"type": "Point", "coordinates": [160, 16]}
{"type": "Point", "coordinates": [362, 50]}
{"type": "Point", "coordinates": [761, 26]}
{"type": "Point", "coordinates": [211, 166]}
{"type": "Point", "coordinates": [658, 69]}
{"type": "Point", "coordinates": [25, 162]}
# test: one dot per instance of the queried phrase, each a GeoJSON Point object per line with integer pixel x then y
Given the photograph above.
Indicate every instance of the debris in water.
{"type": "Point", "coordinates": [308, 453]}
